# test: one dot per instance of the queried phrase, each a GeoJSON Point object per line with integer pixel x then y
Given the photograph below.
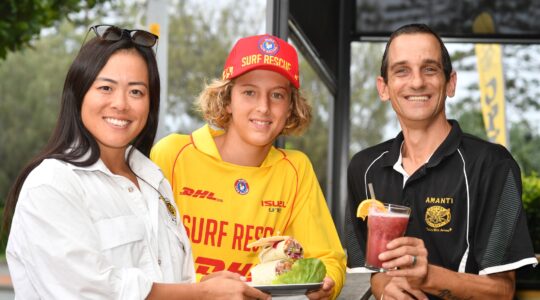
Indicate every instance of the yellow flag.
{"type": "Point", "coordinates": [154, 28]}
{"type": "Point", "coordinates": [491, 83]}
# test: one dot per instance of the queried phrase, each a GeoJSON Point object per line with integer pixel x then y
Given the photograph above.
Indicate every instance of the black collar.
{"type": "Point", "coordinates": [447, 148]}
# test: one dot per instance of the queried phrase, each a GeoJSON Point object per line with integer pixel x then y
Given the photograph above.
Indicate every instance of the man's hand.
{"type": "Point", "coordinates": [325, 292]}
{"type": "Point", "coordinates": [399, 288]}
{"type": "Point", "coordinates": [410, 257]}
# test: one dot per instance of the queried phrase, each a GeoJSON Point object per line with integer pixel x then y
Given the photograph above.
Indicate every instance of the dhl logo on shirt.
{"type": "Point", "coordinates": [206, 265]}
{"type": "Point", "coordinates": [186, 191]}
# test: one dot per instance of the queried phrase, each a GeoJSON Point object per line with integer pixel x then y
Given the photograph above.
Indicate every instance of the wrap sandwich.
{"type": "Point", "coordinates": [282, 262]}
{"type": "Point", "coordinates": [279, 247]}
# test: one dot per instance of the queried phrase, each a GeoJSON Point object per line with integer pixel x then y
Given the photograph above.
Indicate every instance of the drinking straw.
{"type": "Point", "coordinates": [371, 192]}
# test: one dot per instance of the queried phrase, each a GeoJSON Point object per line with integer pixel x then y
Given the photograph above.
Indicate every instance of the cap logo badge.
{"type": "Point", "coordinates": [227, 72]}
{"type": "Point", "coordinates": [241, 186]}
{"type": "Point", "coordinates": [268, 46]}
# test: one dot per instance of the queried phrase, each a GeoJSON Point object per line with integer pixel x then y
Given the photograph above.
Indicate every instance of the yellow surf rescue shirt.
{"type": "Point", "coordinates": [225, 206]}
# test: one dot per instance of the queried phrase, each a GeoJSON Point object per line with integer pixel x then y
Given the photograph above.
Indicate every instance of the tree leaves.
{"type": "Point", "coordinates": [200, 37]}
{"type": "Point", "coordinates": [22, 20]}
{"type": "Point", "coordinates": [30, 92]}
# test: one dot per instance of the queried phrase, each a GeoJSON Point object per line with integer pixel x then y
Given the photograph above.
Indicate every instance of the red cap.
{"type": "Point", "coordinates": [262, 52]}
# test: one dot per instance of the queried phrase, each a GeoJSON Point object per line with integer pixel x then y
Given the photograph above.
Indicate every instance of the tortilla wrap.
{"type": "Point", "coordinates": [265, 273]}
{"type": "Point", "coordinates": [270, 240]}
{"type": "Point", "coordinates": [278, 247]}
{"type": "Point", "coordinates": [288, 248]}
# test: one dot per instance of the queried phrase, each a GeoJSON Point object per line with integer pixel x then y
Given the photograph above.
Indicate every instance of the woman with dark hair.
{"type": "Point", "coordinates": [91, 213]}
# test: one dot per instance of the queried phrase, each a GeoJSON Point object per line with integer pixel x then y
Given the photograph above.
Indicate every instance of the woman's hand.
{"type": "Point", "coordinates": [223, 274]}
{"type": "Point", "coordinates": [228, 285]}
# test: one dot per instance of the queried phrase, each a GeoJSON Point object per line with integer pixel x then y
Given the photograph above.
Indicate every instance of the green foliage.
{"type": "Point", "coordinates": [470, 120]}
{"type": "Point", "coordinates": [521, 95]}
{"type": "Point", "coordinates": [524, 144]}
{"type": "Point", "coordinates": [315, 140]}
{"type": "Point", "coordinates": [531, 192]}
{"type": "Point", "coordinates": [22, 20]}
{"type": "Point", "coordinates": [531, 203]}
{"type": "Point", "coordinates": [520, 65]}
{"type": "Point", "coordinates": [31, 88]}
{"type": "Point", "coordinates": [368, 114]}
{"type": "Point", "coordinates": [200, 37]}
{"type": "Point", "coordinates": [520, 73]}
{"type": "Point", "coordinates": [524, 141]}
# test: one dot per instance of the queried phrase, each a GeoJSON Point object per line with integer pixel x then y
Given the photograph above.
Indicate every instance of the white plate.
{"type": "Point", "coordinates": [287, 289]}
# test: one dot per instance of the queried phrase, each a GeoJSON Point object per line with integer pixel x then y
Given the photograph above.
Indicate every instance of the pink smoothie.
{"type": "Point", "coordinates": [382, 228]}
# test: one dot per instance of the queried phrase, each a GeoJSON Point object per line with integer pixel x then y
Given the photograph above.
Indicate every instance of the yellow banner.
{"type": "Point", "coordinates": [491, 83]}
{"type": "Point", "coordinates": [154, 28]}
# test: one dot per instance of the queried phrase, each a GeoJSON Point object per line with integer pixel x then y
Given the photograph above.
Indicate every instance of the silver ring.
{"type": "Point", "coordinates": [413, 260]}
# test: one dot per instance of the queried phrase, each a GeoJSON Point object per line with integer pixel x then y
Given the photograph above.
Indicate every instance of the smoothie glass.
{"type": "Point", "coordinates": [384, 226]}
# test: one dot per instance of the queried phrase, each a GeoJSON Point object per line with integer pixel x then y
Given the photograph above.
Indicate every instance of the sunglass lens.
{"type": "Point", "coordinates": [143, 38]}
{"type": "Point", "coordinates": [109, 33]}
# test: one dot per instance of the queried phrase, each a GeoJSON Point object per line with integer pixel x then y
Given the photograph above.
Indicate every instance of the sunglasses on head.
{"type": "Point", "coordinates": [113, 34]}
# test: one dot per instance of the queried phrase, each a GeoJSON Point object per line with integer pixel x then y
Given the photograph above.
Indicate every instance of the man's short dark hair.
{"type": "Point", "coordinates": [411, 29]}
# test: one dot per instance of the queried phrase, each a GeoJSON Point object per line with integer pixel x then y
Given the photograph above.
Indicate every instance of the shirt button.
{"type": "Point", "coordinates": [130, 189]}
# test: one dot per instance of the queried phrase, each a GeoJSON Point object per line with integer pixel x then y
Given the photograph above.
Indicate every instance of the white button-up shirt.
{"type": "Point", "coordinates": [86, 233]}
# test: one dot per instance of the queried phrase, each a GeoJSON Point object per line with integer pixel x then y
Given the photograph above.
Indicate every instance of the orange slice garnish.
{"type": "Point", "coordinates": [364, 206]}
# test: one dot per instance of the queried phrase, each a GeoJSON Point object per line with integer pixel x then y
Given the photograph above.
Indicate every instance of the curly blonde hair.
{"type": "Point", "coordinates": [212, 103]}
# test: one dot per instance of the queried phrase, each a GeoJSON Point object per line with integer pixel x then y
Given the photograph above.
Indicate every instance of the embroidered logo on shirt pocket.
{"type": "Point", "coordinates": [119, 231]}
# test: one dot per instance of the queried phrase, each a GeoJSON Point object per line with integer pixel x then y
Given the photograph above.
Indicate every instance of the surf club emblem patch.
{"type": "Point", "coordinates": [241, 186]}
{"type": "Point", "coordinates": [437, 217]}
{"type": "Point", "coordinates": [268, 46]}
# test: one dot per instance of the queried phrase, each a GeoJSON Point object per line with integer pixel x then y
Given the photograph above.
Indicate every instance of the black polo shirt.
{"type": "Point", "coordinates": [465, 201]}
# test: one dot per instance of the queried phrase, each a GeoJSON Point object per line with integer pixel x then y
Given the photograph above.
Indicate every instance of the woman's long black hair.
{"type": "Point", "coordinates": [70, 140]}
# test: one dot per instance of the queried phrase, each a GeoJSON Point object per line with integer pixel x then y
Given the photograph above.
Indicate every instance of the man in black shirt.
{"type": "Point", "coordinates": [467, 232]}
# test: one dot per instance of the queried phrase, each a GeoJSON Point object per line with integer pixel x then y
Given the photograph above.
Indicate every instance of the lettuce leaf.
{"type": "Point", "coordinates": [307, 270]}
